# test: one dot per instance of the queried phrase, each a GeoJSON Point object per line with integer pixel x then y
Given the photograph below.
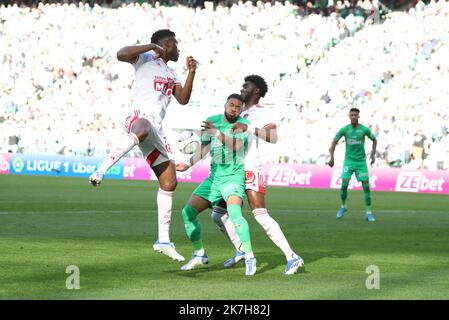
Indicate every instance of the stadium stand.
{"type": "Point", "coordinates": [62, 90]}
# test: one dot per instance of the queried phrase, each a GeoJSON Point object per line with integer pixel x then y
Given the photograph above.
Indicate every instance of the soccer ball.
{"type": "Point", "coordinates": [188, 142]}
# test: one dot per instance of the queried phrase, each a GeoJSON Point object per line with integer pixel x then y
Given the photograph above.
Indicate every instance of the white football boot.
{"type": "Point", "coordinates": [195, 261]}
{"type": "Point", "coordinates": [294, 264]}
{"type": "Point", "coordinates": [96, 178]}
{"type": "Point", "coordinates": [168, 248]}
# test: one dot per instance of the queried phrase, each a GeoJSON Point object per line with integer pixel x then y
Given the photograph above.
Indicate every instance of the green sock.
{"type": "Point", "coordinates": [344, 193]}
{"type": "Point", "coordinates": [192, 226]}
{"type": "Point", "coordinates": [367, 193]}
{"type": "Point", "coordinates": [241, 226]}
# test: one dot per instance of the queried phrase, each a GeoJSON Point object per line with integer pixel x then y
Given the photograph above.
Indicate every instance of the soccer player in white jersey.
{"type": "Point", "coordinates": [155, 84]}
{"type": "Point", "coordinates": [261, 127]}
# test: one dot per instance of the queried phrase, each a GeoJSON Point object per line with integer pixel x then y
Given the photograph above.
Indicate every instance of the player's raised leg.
{"type": "Point", "coordinates": [166, 174]}
{"type": "Point", "coordinates": [343, 197]}
{"type": "Point", "coordinates": [138, 132]}
{"type": "Point", "coordinates": [192, 225]}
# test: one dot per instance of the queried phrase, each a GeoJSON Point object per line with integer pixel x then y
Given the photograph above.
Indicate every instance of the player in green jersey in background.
{"type": "Point", "coordinates": [355, 160]}
{"type": "Point", "coordinates": [226, 180]}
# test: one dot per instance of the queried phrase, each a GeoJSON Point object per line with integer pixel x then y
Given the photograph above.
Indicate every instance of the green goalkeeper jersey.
{"type": "Point", "coordinates": [225, 162]}
{"type": "Point", "coordinates": [355, 142]}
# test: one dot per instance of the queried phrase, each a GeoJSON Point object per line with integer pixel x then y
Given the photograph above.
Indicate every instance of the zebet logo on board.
{"type": "Point", "coordinates": [417, 181]}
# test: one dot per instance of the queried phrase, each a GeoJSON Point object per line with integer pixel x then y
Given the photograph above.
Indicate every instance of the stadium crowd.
{"type": "Point", "coordinates": [62, 90]}
{"type": "Point", "coordinates": [323, 7]}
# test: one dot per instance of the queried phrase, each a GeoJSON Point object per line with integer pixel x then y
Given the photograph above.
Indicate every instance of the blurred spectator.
{"type": "Point", "coordinates": [419, 148]}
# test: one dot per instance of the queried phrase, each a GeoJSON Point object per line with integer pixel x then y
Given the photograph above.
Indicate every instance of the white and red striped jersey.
{"type": "Point", "coordinates": [153, 86]}
{"type": "Point", "coordinates": [259, 117]}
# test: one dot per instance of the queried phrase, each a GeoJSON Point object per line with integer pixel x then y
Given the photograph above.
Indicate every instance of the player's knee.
{"type": "Point", "coordinates": [142, 134]}
{"type": "Point", "coordinates": [141, 128]}
{"type": "Point", "coordinates": [365, 186]}
{"type": "Point", "coordinates": [169, 185]}
{"type": "Point", "coordinates": [344, 185]}
{"type": "Point", "coordinates": [220, 210]}
{"type": "Point", "coordinates": [234, 200]}
{"type": "Point", "coordinates": [216, 218]}
{"type": "Point", "coordinates": [189, 214]}
{"type": "Point", "coordinates": [217, 215]}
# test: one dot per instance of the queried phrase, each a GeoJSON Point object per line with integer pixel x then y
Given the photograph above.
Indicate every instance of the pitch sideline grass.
{"type": "Point", "coordinates": [49, 223]}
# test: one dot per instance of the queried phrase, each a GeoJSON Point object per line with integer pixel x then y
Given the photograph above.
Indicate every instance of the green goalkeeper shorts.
{"type": "Point", "coordinates": [359, 168]}
{"type": "Point", "coordinates": [213, 190]}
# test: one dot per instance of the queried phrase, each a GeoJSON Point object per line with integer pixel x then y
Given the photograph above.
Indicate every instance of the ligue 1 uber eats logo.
{"type": "Point", "coordinates": [18, 164]}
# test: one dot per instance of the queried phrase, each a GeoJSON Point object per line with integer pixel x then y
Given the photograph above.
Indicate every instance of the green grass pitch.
{"type": "Point", "coordinates": [49, 223]}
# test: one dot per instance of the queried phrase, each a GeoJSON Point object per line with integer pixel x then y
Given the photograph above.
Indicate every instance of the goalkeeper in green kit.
{"type": "Point", "coordinates": [355, 160]}
{"type": "Point", "coordinates": [225, 181]}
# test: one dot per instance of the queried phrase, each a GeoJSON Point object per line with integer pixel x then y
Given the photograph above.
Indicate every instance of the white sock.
{"type": "Point", "coordinates": [120, 148]}
{"type": "Point", "coordinates": [249, 255]}
{"type": "Point", "coordinates": [222, 220]}
{"type": "Point", "coordinates": [273, 231]}
{"type": "Point", "coordinates": [164, 206]}
{"type": "Point", "coordinates": [200, 252]}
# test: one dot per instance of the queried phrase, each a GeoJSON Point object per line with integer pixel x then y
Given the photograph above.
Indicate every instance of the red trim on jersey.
{"type": "Point", "coordinates": [134, 118]}
{"type": "Point", "coordinates": [153, 156]}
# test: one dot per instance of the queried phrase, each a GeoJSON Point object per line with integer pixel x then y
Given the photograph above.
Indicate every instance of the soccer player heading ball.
{"type": "Point", "coordinates": [155, 84]}
{"type": "Point", "coordinates": [355, 160]}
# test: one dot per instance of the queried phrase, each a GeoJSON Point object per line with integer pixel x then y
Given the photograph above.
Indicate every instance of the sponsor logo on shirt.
{"type": "Point", "coordinates": [354, 142]}
{"type": "Point", "coordinates": [164, 85]}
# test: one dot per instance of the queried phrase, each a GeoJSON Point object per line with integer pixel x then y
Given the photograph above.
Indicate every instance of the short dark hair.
{"type": "Point", "coordinates": [161, 34]}
{"type": "Point", "coordinates": [259, 82]}
{"type": "Point", "coordinates": [354, 109]}
{"type": "Point", "coordinates": [235, 96]}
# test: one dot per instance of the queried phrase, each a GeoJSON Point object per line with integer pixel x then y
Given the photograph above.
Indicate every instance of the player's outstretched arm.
{"type": "Point", "coordinates": [182, 93]}
{"type": "Point", "coordinates": [131, 53]}
{"type": "Point", "coordinates": [199, 154]}
{"type": "Point", "coordinates": [268, 133]}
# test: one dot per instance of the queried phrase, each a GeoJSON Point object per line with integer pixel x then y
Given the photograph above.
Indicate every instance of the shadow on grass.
{"type": "Point", "coordinates": [266, 261]}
